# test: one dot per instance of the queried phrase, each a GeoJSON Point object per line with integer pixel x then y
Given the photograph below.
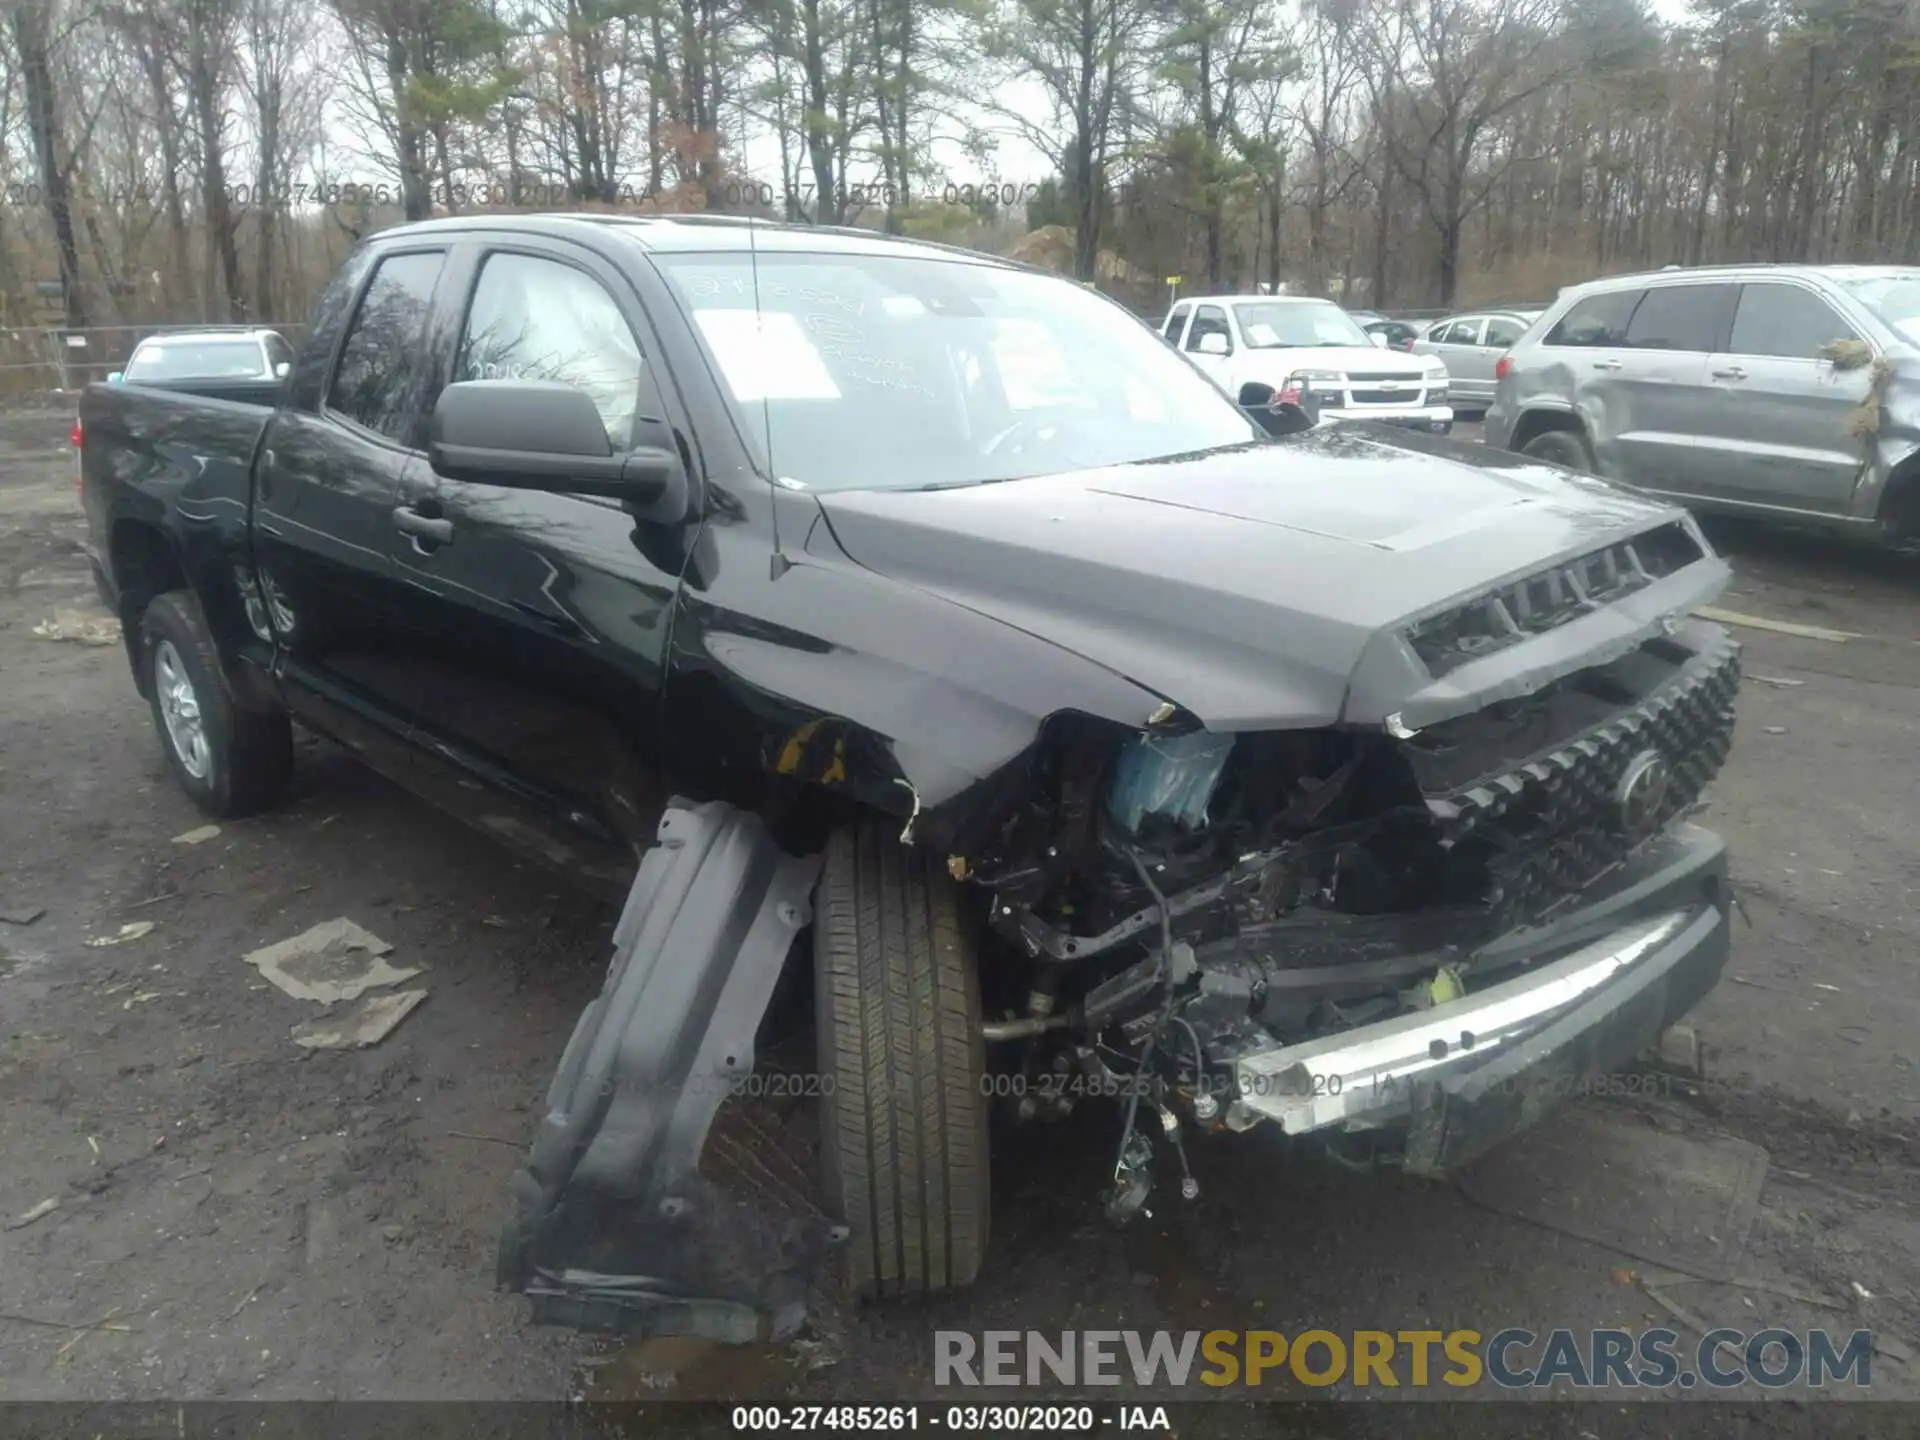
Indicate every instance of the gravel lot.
{"type": "Point", "coordinates": [261, 1222]}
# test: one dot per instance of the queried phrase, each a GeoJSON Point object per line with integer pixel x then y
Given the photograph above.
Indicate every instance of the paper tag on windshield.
{"type": "Point", "coordinates": [765, 356]}
{"type": "Point", "coordinates": [1259, 334]}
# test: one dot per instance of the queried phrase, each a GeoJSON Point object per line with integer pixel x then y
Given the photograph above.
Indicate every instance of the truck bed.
{"type": "Point", "coordinates": [170, 460]}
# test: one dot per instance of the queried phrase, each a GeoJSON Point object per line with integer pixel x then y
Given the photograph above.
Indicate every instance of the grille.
{"type": "Point", "coordinates": [1550, 598]}
{"type": "Point", "coordinates": [1411, 395]}
{"type": "Point", "coordinates": [1551, 826]}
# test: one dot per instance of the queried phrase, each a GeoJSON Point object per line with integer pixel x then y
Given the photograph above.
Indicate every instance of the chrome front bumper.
{"type": "Point", "coordinates": [1431, 416]}
{"type": "Point", "coordinates": [1466, 1073]}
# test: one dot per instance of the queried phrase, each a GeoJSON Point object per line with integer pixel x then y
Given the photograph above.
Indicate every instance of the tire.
{"type": "Point", "coordinates": [903, 1133]}
{"type": "Point", "coordinates": [1562, 447]}
{"type": "Point", "coordinates": [230, 761]}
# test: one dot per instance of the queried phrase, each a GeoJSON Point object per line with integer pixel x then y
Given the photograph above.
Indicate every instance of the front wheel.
{"type": "Point", "coordinates": [897, 1012]}
{"type": "Point", "coordinates": [230, 761]}
{"type": "Point", "coordinates": [1562, 447]}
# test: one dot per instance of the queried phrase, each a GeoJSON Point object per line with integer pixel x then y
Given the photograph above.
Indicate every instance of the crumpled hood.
{"type": "Point", "coordinates": [1246, 585]}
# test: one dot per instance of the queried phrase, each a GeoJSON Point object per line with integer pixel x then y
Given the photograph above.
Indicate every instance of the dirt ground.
{"type": "Point", "coordinates": [250, 1220]}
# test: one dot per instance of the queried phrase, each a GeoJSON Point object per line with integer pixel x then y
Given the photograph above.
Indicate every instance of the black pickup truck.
{"type": "Point", "coordinates": [959, 691]}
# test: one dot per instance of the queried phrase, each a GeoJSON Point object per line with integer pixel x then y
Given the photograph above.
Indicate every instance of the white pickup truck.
{"type": "Point", "coordinates": [1281, 341]}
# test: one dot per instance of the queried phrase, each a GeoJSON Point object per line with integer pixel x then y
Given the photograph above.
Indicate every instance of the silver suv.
{"type": "Point", "coordinates": [1774, 390]}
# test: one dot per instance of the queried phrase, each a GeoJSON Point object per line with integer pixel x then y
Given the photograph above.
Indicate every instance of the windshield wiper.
{"type": "Point", "coordinates": [967, 484]}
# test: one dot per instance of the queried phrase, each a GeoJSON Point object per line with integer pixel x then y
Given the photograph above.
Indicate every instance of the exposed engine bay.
{"type": "Point", "coordinates": [1184, 899]}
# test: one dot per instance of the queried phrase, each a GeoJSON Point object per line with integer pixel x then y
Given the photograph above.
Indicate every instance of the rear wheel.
{"type": "Point", "coordinates": [897, 1010]}
{"type": "Point", "coordinates": [1562, 447]}
{"type": "Point", "coordinates": [231, 761]}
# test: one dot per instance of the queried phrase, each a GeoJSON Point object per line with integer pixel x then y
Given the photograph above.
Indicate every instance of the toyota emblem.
{"type": "Point", "coordinates": [1642, 793]}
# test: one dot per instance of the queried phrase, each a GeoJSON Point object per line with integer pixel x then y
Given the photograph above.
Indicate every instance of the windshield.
{"type": "Point", "coordinates": [1309, 323]}
{"type": "Point", "coordinates": [1894, 298]}
{"type": "Point", "coordinates": [198, 360]}
{"type": "Point", "coordinates": [897, 372]}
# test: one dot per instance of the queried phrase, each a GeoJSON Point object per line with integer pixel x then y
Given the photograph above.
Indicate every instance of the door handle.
{"type": "Point", "coordinates": [1607, 365]}
{"type": "Point", "coordinates": [1732, 372]}
{"type": "Point", "coordinates": [426, 529]}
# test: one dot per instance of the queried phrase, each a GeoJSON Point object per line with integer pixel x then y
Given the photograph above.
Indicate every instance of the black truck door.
{"type": "Point", "coordinates": [326, 484]}
{"type": "Point", "coordinates": [541, 619]}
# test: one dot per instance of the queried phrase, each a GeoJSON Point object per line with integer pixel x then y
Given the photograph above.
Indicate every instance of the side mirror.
{"type": "Point", "coordinates": [116, 377]}
{"type": "Point", "coordinates": [1281, 412]}
{"type": "Point", "coordinates": [281, 369]}
{"type": "Point", "coordinates": [545, 435]}
{"type": "Point", "coordinates": [1213, 343]}
{"type": "Point", "coordinates": [1377, 338]}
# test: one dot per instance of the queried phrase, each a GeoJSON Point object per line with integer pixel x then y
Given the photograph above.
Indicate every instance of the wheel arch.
{"type": "Point", "coordinates": [144, 564]}
{"type": "Point", "coordinates": [1899, 512]}
{"type": "Point", "coordinates": [1541, 419]}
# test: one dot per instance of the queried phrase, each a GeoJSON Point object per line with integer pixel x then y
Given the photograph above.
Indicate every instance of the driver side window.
{"type": "Point", "coordinates": [1209, 320]}
{"type": "Point", "coordinates": [538, 319]}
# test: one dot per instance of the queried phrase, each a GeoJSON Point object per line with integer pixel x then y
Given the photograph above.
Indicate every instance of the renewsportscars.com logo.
{"type": "Point", "coordinates": [1512, 1359]}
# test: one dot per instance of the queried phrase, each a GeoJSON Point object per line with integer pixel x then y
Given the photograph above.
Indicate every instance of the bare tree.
{"type": "Point", "coordinates": [33, 38]}
{"type": "Point", "coordinates": [1090, 58]}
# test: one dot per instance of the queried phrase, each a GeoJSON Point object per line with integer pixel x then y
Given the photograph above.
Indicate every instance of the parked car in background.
{"type": "Point", "coordinates": [1269, 340]}
{"type": "Point", "coordinates": [242, 365]}
{"type": "Point", "coordinates": [236, 364]}
{"type": "Point", "coordinates": [1790, 391]}
{"type": "Point", "coordinates": [1470, 346]}
{"type": "Point", "coordinates": [1400, 334]}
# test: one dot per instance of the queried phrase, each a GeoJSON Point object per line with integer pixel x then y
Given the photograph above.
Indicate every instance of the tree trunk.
{"type": "Point", "coordinates": [209, 42]}
{"type": "Point", "coordinates": [267, 101]}
{"type": "Point", "coordinates": [1274, 187]}
{"type": "Point", "coordinates": [416, 198]}
{"type": "Point", "coordinates": [43, 123]}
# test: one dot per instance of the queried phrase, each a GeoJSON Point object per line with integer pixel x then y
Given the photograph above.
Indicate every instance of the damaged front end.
{"type": "Point", "coordinates": [1406, 941]}
{"type": "Point", "coordinates": [1406, 934]}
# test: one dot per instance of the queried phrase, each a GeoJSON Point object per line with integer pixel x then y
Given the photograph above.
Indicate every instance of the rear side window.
{"type": "Point", "coordinates": [1598, 320]}
{"type": "Point", "coordinates": [1682, 317]}
{"type": "Point", "coordinates": [1785, 320]}
{"type": "Point", "coordinates": [373, 382]}
{"type": "Point", "coordinates": [1209, 320]}
{"type": "Point", "coordinates": [1175, 320]}
{"type": "Point", "coordinates": [1502, 333]}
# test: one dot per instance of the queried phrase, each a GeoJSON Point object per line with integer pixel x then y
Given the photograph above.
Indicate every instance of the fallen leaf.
{"type": "Point", "coordinates": [1623, 1276]}
{"type": "Point", "coordinates": [196, 837]}
{"type": "Point", "coordinates": [39, 1212]}
{"type": "Point", "coordinates": [132, 930]}
{"type": "Point", "coordinates": [81, 629]}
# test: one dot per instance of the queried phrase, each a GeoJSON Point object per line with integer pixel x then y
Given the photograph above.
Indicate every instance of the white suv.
{"type": "Point", "coordinates": [1280, 341]}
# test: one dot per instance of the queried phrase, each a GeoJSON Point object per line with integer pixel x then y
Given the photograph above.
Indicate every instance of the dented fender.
{"type": "Point", "coordinates": [615, 1225]}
